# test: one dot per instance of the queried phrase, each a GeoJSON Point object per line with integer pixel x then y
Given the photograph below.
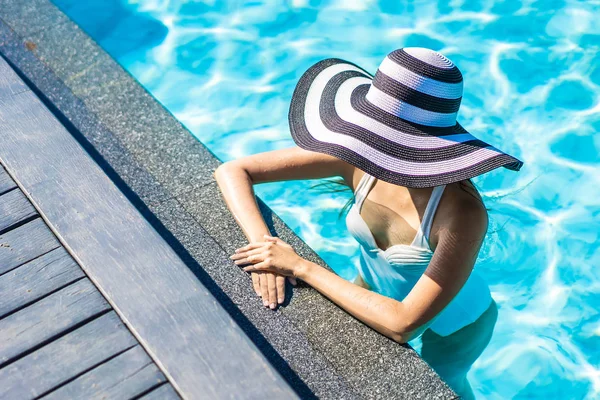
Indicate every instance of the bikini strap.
{"type": "Point", "coordinates": [365, 183]}
{"type": "Point", "coordinates": [430, 209]}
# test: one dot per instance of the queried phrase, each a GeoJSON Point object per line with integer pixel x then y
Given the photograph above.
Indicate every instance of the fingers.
{"type": "Point", "coordinates": [264, 288]}
{"type": "Point", "coordinates": [269, 285]}
{"type": "Point", "coordinates": [256, 282]}
{"type": "Point", "coordinates": [280, 283]}
{"type": "Point", "coordinates": [276, 285]}
{"type": "Point", "coordinates": [251, 246]}
{"type": "Point", "coordinates": [261, 266]}
{"type": "Point", "coordinates": [246, 256]}
{"type": "Point", "coordinates": [272, 291]}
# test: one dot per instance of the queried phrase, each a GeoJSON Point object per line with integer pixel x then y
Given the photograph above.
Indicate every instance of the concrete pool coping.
{"type": "Point", "coordinates": [167, 174]}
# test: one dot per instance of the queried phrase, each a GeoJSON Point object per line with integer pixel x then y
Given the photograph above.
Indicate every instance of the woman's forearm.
{"type": "Point", "coordinates": [381, 313]}
{"type": "Point", "coordinates": [237, 189]}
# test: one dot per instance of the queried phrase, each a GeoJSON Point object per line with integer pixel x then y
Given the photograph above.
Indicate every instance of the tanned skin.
{"type": "Point", "coordinates": [393, 214]}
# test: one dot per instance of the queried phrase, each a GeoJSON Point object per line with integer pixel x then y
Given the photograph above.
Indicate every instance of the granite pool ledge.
{"type": "Point", "coordinates": [167, 174]}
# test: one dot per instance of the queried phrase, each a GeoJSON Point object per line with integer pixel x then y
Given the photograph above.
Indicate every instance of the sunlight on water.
{"type": "Point", "coordinates": [227, 70]}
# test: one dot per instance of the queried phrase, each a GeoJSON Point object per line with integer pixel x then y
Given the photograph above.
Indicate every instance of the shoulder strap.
{"type": "Point", "coordinates": [362, 189]}
{"type": "Point", "coordinates": [432, 204]}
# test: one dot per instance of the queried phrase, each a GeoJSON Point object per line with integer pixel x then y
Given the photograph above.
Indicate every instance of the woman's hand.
{"type": "Point", "coordinates": [270, 286]}
{"type": "Point", "coordinates": [272, 259]}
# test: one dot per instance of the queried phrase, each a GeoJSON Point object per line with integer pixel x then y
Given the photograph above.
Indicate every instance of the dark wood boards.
{"type": "Point", "coordinates": [48, 318]}
{"type": "Point", "coordinates": [71, 355]}
{"type": "Point", "coordinates": [25, 243]}
{"type": "Point", "coordinates": [164, 392]}
{"type": "Point", "coordinates": [203, 352]}
{"type": "Point", "coordinates": [6, 183]}
{"type": "Point", "coordinates": [37, 278]}
{"type": "Point", "coordinates": [127, 375]}
{"type": "Point", "coordinates": [14, 208]}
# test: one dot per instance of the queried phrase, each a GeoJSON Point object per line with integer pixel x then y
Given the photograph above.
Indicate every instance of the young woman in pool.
{"type": "Point", "coordinates": [395, 141]}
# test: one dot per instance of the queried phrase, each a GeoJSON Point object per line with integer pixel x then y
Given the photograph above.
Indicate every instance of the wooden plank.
{"type": "Point", "coordinates": [125, 376]}
{"type": "Point", "coordinates": [68, 356]}
{"type": "Point", "coordinates": [201, 349]}
{"type": "Point", "coordinates": [37, 278]}
{"type": "Point", "coordinates": [10, 86]}
{"type": "Point", "coordinates": [14, 208]}
{"type": "Point", "coordinates": [25, 243]}
{"type": "Point", "coordinates": [49, 317]}
{"type": "Point", "coordinates": [6, 183]}
{"type": "Point", "coordinates": [166, 392]}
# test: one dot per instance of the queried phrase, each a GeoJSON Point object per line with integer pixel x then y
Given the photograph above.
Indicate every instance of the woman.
{"type": "Point", "coordinates": [394, 140]}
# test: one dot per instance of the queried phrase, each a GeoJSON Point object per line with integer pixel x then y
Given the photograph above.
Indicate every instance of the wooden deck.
{"type": "Point", "coordinates": [93, 301]}
{"type": "Point", "coordinates": [59, 337]}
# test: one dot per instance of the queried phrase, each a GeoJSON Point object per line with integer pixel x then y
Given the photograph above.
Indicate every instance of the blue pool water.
{"type": "Point", "coordinates": [227, 70]}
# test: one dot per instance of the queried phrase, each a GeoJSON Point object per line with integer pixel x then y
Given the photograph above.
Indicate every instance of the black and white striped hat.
{"type": "Point", "coordinates": [399, 126]}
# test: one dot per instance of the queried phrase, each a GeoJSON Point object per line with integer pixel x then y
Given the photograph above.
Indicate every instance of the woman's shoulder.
{"type": "Point", "coordinates": [461, 212]}
{"type": "Point", "coordinates": [352, 176]}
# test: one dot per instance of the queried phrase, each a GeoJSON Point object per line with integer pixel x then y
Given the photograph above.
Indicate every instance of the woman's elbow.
{"type": "Point", "coordinates": [398, 332]}
{"type": "Point", "coordinates": [228, 168]}
{"type": "Point", "coordinates": [404, 331]}
{"type": "Point", "coordinates": [402, 337]}
{"type": "Point", "coordinates": [221, 170]}
{"type": "Point", "coordinates": [398, 338]}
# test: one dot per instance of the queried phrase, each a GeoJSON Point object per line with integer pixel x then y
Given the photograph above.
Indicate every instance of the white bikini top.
{"type": "Point", "coordinates": [393, 272]}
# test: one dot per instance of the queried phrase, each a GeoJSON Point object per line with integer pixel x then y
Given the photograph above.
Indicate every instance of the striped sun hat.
{"type": "Point", "coordinates": [399, 126]}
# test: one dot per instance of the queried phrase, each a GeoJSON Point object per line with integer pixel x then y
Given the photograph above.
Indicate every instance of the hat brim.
{"type": "Point", "coordinates": [329, 113]}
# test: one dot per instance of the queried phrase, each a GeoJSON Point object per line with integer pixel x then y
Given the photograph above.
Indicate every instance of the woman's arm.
{"type": "Point", "coordinates": [236, 187]}
{"type": "Point", "coordinates": [458, 245]}
{"type": "Point", "coordinates": [236, 179]}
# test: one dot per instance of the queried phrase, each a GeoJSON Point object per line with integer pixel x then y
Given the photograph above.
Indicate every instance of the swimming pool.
{"type": "Point", "coordinates": [532, 73]}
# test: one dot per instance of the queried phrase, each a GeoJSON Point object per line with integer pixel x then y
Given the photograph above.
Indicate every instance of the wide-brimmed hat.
{"type": "Point", "coordinates": [399, 126]}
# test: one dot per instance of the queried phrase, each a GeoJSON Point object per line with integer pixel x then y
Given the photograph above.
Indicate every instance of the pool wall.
{"type": "Point", "coordinates": [167, 175]}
